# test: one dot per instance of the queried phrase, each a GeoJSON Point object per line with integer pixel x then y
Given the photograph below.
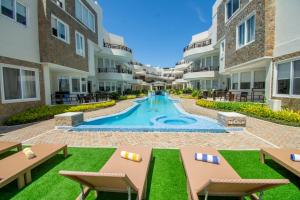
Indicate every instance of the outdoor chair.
{"type": "Point", "coordinates": [209, 179]}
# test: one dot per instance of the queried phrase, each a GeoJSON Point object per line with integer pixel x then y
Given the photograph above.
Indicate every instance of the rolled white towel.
{"type": "Point", "coordinates": [29, 153]}
{"type": "Point", "coordinates": [207, 158]}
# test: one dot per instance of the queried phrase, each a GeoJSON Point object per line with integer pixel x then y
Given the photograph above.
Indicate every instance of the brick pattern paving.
{"type": "Point", "coordinates": [258, 134]}
{"type": "Point", "coordinates": [280, 135]}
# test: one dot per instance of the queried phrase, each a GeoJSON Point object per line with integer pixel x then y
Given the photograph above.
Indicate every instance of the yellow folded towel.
{"type": "Point", "coordinates": [29, 153]}
{"type": "Point", "coordinates": [131, 156]}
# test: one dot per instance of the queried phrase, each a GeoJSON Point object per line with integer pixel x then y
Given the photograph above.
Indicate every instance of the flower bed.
{"type": "Point", "coordinates": [262, 111]}
{"type": "Point", "coordinates": [48, 112]}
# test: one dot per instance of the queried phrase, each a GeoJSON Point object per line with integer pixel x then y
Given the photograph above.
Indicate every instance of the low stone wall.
{"type": "Point", "coordinates": [290, 103]}
{"type": "Point", "coordinates": [232, 119]}
{"type": "Point", "coordinates": [68, 119]}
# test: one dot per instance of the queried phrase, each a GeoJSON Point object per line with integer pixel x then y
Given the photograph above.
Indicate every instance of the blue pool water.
{"type": "Point", "coordinates": [155, 113]}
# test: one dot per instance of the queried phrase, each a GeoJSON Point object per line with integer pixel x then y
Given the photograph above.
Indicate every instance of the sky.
{"type": "Point", "coordinates": [157, 30]}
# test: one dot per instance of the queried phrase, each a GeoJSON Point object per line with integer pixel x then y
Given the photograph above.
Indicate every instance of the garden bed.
{"type": "Point", "coordinates": [257, 110]}
{"type": "Point", "coordinates": [48, 112]}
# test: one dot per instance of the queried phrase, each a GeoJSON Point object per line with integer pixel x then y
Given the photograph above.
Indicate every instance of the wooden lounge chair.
{"type": "Point", "coordinates": [219, 180]}
{"type": "Point", "coordinates": [282, 157]}
{"type": "Point", "coordinates": [6, 146]}
{"type": "Point", "coordinates": [117, 175]}
{"type": "Point", "coordinates": [17, 166]}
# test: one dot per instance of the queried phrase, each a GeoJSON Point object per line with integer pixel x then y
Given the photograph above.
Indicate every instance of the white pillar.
{"type": "Point", "coordinates": [269, 77]}
{"type": "Point", "coordinates": [47, 86]}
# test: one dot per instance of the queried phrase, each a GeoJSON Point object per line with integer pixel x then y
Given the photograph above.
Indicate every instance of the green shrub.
{"type": "Point", "coordinates": [114, 96]}
{"type": "Point", "coordinates": [262, 111]}
{"type": "Point", "coordinates": [48, 112]}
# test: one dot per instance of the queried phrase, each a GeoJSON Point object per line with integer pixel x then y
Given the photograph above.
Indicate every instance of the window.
{"type": "Point", "coordinates": [235, 81]}
{"type": "Point", "coordinates": [80, 44]}
{"type": "Point", "coordinates": [60, 3]}
{"type": "Point", "coordinates": [222, 49]}
{"type": "Point", "coordinates": [215, 84]}
{"type": "Point", "coordinates": [19, 84]}
{"type": "Point", "coordinates": [14, 10]}
{"type": "Point", "coordinates": [208, 84]}
{"type": "Point", "coordinates": [84, 15]}
{"type": "Point", "coordinates": [101, 86]}
{"type": "Point", "coordinates": [83, 85]}
{"type": "Point", "coordinates": [63, 84]}
{"type": "Point", "coordinates": [246, 32]}
{"type": "Point", "coordinates": [283, 78]}
{"type": "Point", "coordinates": [208, 61]}
{"type": "Point", "coordinates": [107, 86]}
{"type": "Point", "coordinates": [75, 85]}
{"type": "Point", "coordinates": [296, 81]}
{"type": "Point", "coordinates": [231, 7]}
{"type": "Point", "coordinates": [245, 80]}
{"type": "Point", "coordinates": [59, 29]}
{"type": "Point", "coordinates": [259, 79]}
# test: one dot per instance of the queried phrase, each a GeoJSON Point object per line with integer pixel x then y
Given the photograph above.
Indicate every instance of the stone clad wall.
{"type": "Point", "coordinates": [264, 34]}
{"type": "Point", "coordinates": [9, 109]}
{"type": "Point", "coordinates": [55, 51]}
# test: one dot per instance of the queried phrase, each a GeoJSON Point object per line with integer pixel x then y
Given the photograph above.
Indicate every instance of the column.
{"type": "Point", "coordinates": [47, 84]}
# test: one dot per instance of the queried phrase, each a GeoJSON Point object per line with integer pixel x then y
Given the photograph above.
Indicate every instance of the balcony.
{"type": "Point", "coordinates": [118, 50]}
{"type": "Point", "coordinates": [201, 73]}
{"type": "Point", "coordinates": [115, 74]}
{"type": "Point", "coordinates": [194, 50]}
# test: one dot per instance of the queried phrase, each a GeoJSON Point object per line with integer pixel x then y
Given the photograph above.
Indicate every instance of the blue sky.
{"type": "Point", "coordinates": [157, 30]}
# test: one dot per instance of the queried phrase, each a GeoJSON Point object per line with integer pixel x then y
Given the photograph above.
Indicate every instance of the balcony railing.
{"type": "Point", "coordinates": [136, 63]}
{"type": "Point", "coordinates": [197, 45]}
{"type": "Point", "coordinates": [117, 46]}
{"type": "Point", "coordinates": [114, 70]}
{"type": "Point", "coordinates": [202, 69]}
{"type": "Point", "coordinates": [182, 62]}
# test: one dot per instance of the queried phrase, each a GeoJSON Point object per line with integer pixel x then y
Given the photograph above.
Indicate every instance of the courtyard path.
{"type": "Point", "coordinates": [257, 134]}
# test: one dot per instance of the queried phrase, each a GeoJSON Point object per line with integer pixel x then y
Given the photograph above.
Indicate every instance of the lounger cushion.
{"type": "Point", "coordinates": [199, 173]}
{"type": "Point", "coordinates": [136, 171]}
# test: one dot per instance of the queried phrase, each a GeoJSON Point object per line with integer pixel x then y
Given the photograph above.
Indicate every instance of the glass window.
{"type": "Point", "coordinates": [235, 81]}
{"type": "Point", "coordinates": [101, 86]}
{"type": "Point", "coordinates": [215, 84]}
{"type": "Point", "coordinates": [19, 84]}
{"type": "Point", "coordinates": [283, 78]}
{"type": "Point", "coordinates": [75, 85]}
{"type": "Point", "coordinates": [241, 34]}
{"type": "Point", "coordinates": [29, 84]}
{"type": "Point", "coordinates": [83, 85]}
{"type": "Point", "coordinates": [222, 51]}
{"type": "Point", "coordinates": [59, 29]}
{"type": "Point", "coordinates": [84, 15]}
{"type": "Point", "coordinates": [7, 8]}
{"type": "Point", "coordinates": [21, 14]}
{"type": "Point", "coordinates": [251, 29]}
{"type": "Point", "coordinates": [245, 80]}
{"type": "Point", "coordinates": [63, 84]}
{"type": "Point", "coordinates": [232, 6]}
{"type": "Point", "coordinates": [107, 86]}
{"type": "Point", "coordinates": [296, 82]}
{"type": "Point", "coordinates": [259, 79]}
{"type": "Point", "coordinates": [80, 50]}
{"type": "Point", "coordinates": [208, 84]}
{"type": "Point", "coordinates": [208, 61]}
{"type": "Point", "coordinates": [12, 83]}
{"type": "Point", "coordinates": [113, 87]}
{"type": "Point", "coordinates": [60, 3]}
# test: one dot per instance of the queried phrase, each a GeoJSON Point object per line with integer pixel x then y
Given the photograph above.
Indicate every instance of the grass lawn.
{"type": "Point", "coordinates": [166, 177]}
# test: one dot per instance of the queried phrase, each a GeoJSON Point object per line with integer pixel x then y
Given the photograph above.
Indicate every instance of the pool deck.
{"type": "Point", "coordinates": [257, 134]}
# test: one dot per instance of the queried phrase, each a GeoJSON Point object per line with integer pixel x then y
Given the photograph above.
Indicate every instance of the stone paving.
{"type": "Point", "coordinates": [257, 134]}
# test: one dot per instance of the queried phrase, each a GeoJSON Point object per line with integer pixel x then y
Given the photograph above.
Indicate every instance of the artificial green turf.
{"type": "Point", "coordinates": [166, 179]}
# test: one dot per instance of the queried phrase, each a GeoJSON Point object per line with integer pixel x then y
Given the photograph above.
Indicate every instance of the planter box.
{"type": "Point", "coordinates": [68, 119]}
{"type": "Point", "coordinates": [231, 119]}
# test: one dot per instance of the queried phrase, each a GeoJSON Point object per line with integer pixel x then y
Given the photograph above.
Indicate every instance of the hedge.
{"type": "Point", "coordinates": [48, 112]}
{"type": "Point", "coordinates": [261, 111]}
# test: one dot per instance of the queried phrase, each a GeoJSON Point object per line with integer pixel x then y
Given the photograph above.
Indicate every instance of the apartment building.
{"type": "Point", "coordinates": [252, 46]}
{"type": "Point", "coordinates": [57, 46]}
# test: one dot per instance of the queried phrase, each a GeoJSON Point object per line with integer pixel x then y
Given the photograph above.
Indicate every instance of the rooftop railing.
{"type": "Point", "coordinates": [197, 45]}
{"type": "Point", "coordinates": [117, 46]}
{"type": "Point", "coordinates": [136, 63]}
{"type": "Point", "coordinates": [182, 62]}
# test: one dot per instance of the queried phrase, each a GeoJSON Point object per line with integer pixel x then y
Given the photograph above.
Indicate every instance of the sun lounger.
{"type": "Point", "coordinates": [117, 175]}
{"type": "Point", "coordinates": [219, 180]}
{"type": "Point", "coordinates": [6, 146]}
{"type": "Point", "coordinates": [283, 158]}
{"type": "Point", "coordinates": [17, 166]}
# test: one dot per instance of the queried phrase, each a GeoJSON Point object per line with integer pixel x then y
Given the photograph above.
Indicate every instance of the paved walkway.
{"type": "Point", "coordinates": [258, 134]}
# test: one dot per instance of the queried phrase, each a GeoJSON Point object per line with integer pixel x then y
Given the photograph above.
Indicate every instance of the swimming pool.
{"type": "Point", "coordinates": [154, 113]}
